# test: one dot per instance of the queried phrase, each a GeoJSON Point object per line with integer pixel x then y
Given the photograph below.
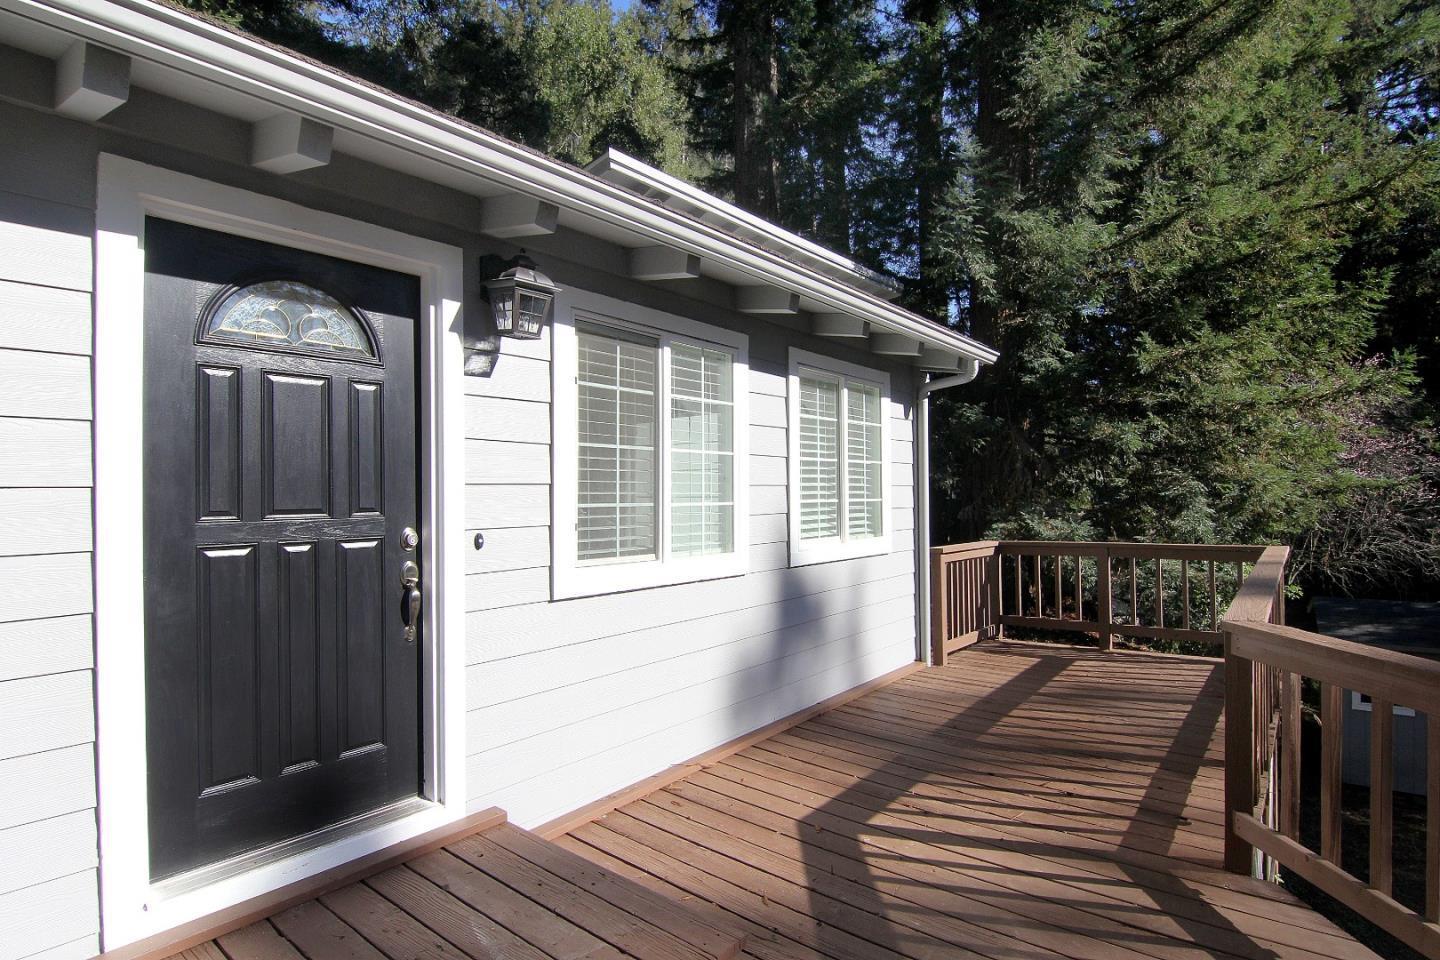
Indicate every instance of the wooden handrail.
{"type": "Point", "coordinates": [1265, 662]}
{"type": "Point", "coordinates": [979, 588]}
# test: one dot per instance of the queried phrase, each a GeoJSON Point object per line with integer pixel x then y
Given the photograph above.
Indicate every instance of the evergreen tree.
{"type": "Point", "coordinates": [1151, 229]}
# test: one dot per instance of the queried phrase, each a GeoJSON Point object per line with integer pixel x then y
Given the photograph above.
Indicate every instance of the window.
{"type": "Point", "coordinates": [650, 418]}
{"type": "Point", "coordinates": [1362, 701]}
{"type": "Point", "coordinates": [839, 474]}
{"type": "Point", "coordinates": [287, 315]}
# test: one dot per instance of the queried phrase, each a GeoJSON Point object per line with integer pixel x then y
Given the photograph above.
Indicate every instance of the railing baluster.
{"type": "Point", "coordinates": [1214, 600]}
{"type": "Point", "coordinates": [1290, 755]}
{"type": "Point", "coordinates": [1432, 819]}
{"type": "Point", "coordinates": [1134, 594]}
{"type": "Point", "coordinates": [1104, 601]}
{"type": "Point", "coordinates": [1332, 739]}
{"type": "Point", "coordinates": [1019, 592]}
{"type": "Point", "coordinates": [1185, 593]}
{"type": "Point", "coordinates": [1059, 594]}
{"type": "Point", "coordinates": [1159, 593]}
{"type": "Point", "coordinates": [1382, 792]}
{"type": "Point", "coordinates": [1039, 589]}
{"type": "Point", "coordinates": [1239, 756]}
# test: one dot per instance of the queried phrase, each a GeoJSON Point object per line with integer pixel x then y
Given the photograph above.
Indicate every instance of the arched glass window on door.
{"type": "Point", "coordinates": [291, 316]}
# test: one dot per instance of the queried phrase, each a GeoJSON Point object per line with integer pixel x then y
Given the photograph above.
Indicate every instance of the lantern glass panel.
{"type": "Point", "coordinates": [531, 308]}
{"type": "Point", "coordinates": [503, 303]}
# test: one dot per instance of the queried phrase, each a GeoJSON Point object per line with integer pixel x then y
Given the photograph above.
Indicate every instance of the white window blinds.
{"type": "Point", "coordinates": [864, 495]}
{"type": "Point", "coordinates": [702, 460]}
{"type": "Point", "coordinates": [618, 413]}
{"type": "Point", "coordinates": [819, 458]}
{"type": "Point", "coordinates": [832, 408]}
{"type": "Point", "coordinates": [623, 382]}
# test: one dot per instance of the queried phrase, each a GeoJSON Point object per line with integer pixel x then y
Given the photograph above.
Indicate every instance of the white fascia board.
{"type": "Point", "coordinates": [205, 52]}
{"type": "Point", "coordinates": [654, 182]}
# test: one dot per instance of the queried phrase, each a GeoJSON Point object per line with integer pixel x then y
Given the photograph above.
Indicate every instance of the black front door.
{"type": "Point", "coordinates": [282, 679]}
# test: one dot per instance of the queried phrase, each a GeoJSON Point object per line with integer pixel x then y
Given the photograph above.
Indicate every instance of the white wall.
{"type": "Point", "coordinates": [48, 904]}
{"type": "Point", "coordinates": [571, 700]}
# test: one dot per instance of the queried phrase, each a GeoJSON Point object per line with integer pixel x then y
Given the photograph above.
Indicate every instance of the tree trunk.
{"type": "Point", "coordinates": [756, 73]}
{"type": "Point", "coordinates": [930, 295]}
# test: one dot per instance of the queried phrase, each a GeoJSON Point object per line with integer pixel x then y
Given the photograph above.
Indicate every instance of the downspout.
{"type": "Point", "coordinates": [969, 368]}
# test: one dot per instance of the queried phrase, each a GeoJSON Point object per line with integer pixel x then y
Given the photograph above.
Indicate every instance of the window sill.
{"type": "Point", "coordinates": [804, 555]}
{"type": "Point", "coordinates": [572, 582]}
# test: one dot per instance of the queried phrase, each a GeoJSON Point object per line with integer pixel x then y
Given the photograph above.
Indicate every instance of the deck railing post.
{"type": "Point", "coordinates": [939, 607]}
{"type": "Point", "coordinates": [1239, 756]}
{"type": "Point", "coordinates": [1103, 608]}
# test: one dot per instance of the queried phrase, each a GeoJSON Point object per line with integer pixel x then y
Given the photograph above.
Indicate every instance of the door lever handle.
{"type": "Point", "coordinates": [411, 600]}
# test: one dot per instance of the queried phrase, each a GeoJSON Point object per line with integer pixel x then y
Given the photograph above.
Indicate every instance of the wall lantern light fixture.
{"type": "Point", "coordinates": [521, 297]}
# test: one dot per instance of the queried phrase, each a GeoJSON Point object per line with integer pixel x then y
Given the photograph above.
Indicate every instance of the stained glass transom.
{"type": "Point", "coordinates": [285, 314]}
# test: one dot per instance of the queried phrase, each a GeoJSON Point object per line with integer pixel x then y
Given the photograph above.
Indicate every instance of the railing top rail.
{"type": "Point", "coordinates": [1401, 678]}
{"type": "Point", "coordinates": [978, 547]}
{"type": "Point", "coordinates": [1256, 599]}
{"type": "Point", "coordinates": [1225, 552]}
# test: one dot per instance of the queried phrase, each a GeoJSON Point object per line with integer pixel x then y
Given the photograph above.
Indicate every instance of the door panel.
{"type": "Point", "coordinates": [280, 468]}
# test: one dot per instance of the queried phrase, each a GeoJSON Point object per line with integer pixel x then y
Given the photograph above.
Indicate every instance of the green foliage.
{"type": "Point", "coordinates": [1153, 225]}
{"type": "Point", "coordinates": [1203, 236]}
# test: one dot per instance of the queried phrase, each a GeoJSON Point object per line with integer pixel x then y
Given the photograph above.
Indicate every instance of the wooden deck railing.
{"type": "Point", "coordinates": [1167, 591]}
{"type": "Point", "coordinates": [1265, 662]}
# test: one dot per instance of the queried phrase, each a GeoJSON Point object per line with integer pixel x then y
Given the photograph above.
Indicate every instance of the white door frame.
{"type": "Point", "coordinates": [127, 192]}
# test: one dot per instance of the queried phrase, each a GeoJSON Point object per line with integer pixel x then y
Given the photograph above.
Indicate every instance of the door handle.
{"type": "Point", "coordinates": [411, 599]}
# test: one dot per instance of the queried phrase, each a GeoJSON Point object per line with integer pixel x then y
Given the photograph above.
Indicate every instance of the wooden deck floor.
{"type": "Point", "coordinates": [1025, 801]}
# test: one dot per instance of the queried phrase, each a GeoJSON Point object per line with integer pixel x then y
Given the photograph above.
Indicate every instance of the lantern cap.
{"type": "Point", "coordinates": [521, 269]}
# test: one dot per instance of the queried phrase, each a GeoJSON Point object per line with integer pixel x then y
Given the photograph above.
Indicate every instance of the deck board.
{"type": "Point", "coordinates": [1025, 801]}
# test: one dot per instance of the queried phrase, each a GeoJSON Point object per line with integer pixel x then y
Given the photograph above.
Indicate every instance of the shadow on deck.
{"type": "Point", "coordinates": [1024, 801]}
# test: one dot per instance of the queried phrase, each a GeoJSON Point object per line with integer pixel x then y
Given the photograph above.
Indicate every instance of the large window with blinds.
{"type": "Point", "coordinates": [649, 481]}
{"type": "Point", "coordinates": [839, 491]}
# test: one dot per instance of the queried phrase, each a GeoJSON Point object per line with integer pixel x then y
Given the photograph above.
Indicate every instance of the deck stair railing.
{"type": "Point", "coordinates": [1265, 663]}
{"type": "Point", "coordinates": [1167, 591]}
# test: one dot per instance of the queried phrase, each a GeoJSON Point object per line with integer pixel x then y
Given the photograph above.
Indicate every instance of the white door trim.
{"type": "Point", "coordinates": [127, 192]}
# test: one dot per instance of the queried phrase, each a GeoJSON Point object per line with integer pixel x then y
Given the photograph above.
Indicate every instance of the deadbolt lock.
{"type": "Point", "coordinates": [409, 538]}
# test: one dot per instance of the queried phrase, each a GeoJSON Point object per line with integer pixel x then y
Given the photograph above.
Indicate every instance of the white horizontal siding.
{"type": "Point", "coordinates": [498, 418]}
{"type": "Point", "coordinates": [47, 915]}
{"type": "Point", "coordinates": [641, 752]}
{"type": "Point", "coordinates": [52, 585]}
{"type": "Point", "coordinates": [513, 378]}
{"type": "Point", "coordinates": [48, 900]}
{"type": "Point", "coordinates": [503, 461]}
{"type": "Point", "coordinates": [81, 949]}
{"type": "Point", "coordinates": [768, 442]}
{"type": "Point", "coordinates": [47, 850]}
{"type": "Point", "coordinates": [44, 453]}
{"type": "Point", "coordinates": [35, 384]}
{"type": "Point", "coordinates": [507, 588]}
{"type": "Point", "coordinates": [488, 506]}
{"type": "Point", "coordinates": [44, 520]}
{"type": "Point", "coordinates": [45, 713]}
{"type": "Point", "coordinates": [39, 786]}
{"type": "Point", "coordinates": [497, 634]}
{"type": "Point", "coordinates": [44, 318]}
{"type": "Point", "coordinates": [508, 548]}
{"type": "Point", "coordinates": [47, 244]}
{"type": "Point", "coordinates": [769, 528]}
{"type": "Point", "coordinates": [569, 700]}
{"type": "Point", "coordinates": [33, 648]}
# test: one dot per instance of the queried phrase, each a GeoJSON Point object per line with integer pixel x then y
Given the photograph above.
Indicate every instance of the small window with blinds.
{"type": "Point", "coordinates": [658, 466]}
{"type": "Point", "coordinates": [839, 494]}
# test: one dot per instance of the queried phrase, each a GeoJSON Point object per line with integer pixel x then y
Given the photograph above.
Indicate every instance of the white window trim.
{"type": "Point", "coordinates": [1356, 703]}
{"type": "Point", "coordinates": [805, 552]}
{"type": "Point", "coordinates": [127, 191]}
{"type": "Point", "coordinates": [570, 578]}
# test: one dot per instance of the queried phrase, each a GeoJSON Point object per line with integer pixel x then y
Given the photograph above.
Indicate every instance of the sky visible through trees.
{"type": "Point", "coordinates": [1203, 233]}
